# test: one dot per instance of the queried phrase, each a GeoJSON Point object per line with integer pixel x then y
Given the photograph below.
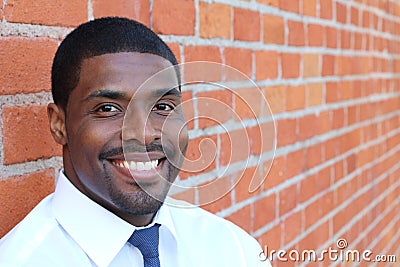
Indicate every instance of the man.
{"type": "Point", "coordinates": [122, 147]}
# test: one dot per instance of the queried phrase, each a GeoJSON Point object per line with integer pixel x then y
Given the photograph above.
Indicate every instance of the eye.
{"type": "Point", "coordinates": [107, 108]}
{"type": "Point", "coordinates": [163, 107]}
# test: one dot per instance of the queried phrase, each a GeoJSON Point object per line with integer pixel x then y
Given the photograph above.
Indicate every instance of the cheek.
{"type": "Point", "coordinates": [89, 139]}
{"type": "Point", "coordinates": [183, 138]}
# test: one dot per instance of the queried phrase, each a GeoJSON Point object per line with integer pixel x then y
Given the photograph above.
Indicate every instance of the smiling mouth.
{"type": "Point", "coordinates": [136, 165]}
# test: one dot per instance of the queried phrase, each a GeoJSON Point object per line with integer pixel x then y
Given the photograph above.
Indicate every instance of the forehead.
{"type": "Point", "coordinates": [126, 71]}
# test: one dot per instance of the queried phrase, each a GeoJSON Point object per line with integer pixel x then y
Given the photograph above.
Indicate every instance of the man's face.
{"type": "Point", "coordinates": [97, 134]}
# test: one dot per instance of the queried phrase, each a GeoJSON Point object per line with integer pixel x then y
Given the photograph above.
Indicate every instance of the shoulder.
{"type": "Point", "coordinates": [30, 238]}
{"type": "Point", "coordinates": [201, 220]}
{"type": "Point", "coordinates": [215, 237]}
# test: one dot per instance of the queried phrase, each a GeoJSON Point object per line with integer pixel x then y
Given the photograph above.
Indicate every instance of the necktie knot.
{"type": "Point", "coordinates": [146, 240]}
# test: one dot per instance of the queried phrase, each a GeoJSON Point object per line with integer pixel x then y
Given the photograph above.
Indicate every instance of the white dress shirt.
{"type": "Point", "coordinates": [69, 229]}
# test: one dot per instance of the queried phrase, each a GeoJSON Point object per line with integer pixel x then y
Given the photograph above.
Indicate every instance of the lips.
{"type": "Point", "coordinates": [143, 168]}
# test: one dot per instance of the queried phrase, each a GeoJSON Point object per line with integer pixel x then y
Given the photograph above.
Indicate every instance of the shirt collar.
{"type": "Point", "coordinates": [85, 221]}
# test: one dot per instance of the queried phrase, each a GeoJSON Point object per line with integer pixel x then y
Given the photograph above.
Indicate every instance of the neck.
{"type": "Point", "coordinates": [136, 220]}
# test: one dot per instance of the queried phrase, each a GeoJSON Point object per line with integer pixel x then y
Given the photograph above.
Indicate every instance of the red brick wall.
{"type": "Point", "coordinates": [330, 70]}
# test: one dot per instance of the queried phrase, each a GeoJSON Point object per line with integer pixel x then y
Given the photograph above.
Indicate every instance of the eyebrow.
{"type": "Point", "coordinates": [106, 93]}
{"type": "Point", "coordinates": [167, 92]}
{"type": "Point", "coordinates": [112, 94]}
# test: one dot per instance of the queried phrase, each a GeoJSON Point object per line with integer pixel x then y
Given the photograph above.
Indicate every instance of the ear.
{"type": "Point", "coordinates": [57, 123]}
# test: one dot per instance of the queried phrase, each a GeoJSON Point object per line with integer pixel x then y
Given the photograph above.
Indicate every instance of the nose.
{"type": "Point", "coordinates": [139, 127]}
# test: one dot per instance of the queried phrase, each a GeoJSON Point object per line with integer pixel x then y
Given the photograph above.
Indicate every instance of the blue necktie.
{"type": "Point", "coordinates": [146, 240]}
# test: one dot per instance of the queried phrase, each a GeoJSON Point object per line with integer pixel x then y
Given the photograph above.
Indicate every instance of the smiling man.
{"type": "Point", "coordinates": [123, 135]}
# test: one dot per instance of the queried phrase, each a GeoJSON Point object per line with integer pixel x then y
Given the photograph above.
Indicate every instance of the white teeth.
{"type": "Point", "coordinates": [138, 166]}
{"type": "Point", "coordinates": [126, 164]}
{"type": "Point", "coordinates": [132, 165]}
{"type": "Point", "coordinates": [154, 163]}
{"type": "Point", "coordinates": [147, 166]}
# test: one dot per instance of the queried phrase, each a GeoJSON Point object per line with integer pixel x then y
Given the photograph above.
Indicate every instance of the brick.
{"type": "Point", "coordinates": [295, 97]}
{"type": "Point", "coordinates": [325, 9]}
{"type": "Point", "coordinates": [28, 74]}
{"type": "Point", "coordinates": [375, 21]}
{"type": "Point", "coordinates": [323, 123]}
{"type": "Point", "coordinates": [288, 199]}
{"type": "Point", "coordinates": [295, 162]}
{"type": "Point", "coordinates": [343, 66]}
{"type": "Point", "coordinates": [215, 195]}
{"type": "Point", "coordinates": [290, 5]}
{"type": "Point", "coordinates": [274, 29]}
{"type": "Point", "coordinates": [315, 155]}
{"type": "Point", "coordinates": [235, 147]}
{"type": "Point", "coordinates": [265, 206]}
{"type": "Point", "coordinates": [243, 21]}
{"type": "Point", "coordinates": [272, 238]}
{"type": "Point", "coordinates": [296, 33]}
{"type": "Point", "coordinates": [307, 189]}
{"type": "Point", "coordinates": [276, 172]}
{"type": "Point", "coordinates": [165, 14]}
{"type": "Point", "coordinates": [203, 53]}
{"type": "Point", "coordinates": [215, 20]}
{"type": "Point", "coordinates": [318, 209]}
{"type": "Point", "coordinates": [258, 138]}
{"type": "Point", "coordinates": [276, 98]}
{"type": "Point", "coordinates": [200, 156]}
{"type": "Point", "coordinates": [187, 195]}
{"type": "Point", "coordinates": [239, 59]}
{"type": "Point", "coordinates": [316, 238]}
{"type": "Point", "coordinates": [365, 19]}
{"type": "Point", "coordinates": [332, 93]}
{"type": "Point", "coordinates": [306, 127]}
{"type": "Point", "coordinates": [358, 41]}
{"type": "Point", "coordinates": [314, 94]}
{"type": "Point", "coordinates": [315, 35]}
{"type": "Point", "coordinates": [287, 132]}
{"type": "Point", "coordinates": [341, 219]}
{"type": "Point", "coordinates": [203, 72]}
{"type": "Point", "coordinates": [46, 12]}
{"type": "Point", "coordinates": [328, 65]}
{"type": "Point", "coordinates": [188, 109]}
{"type": "Point", "coordinates": [26, 135]}
{"type": "Point", "coordinates": [345, 90]}
{"type": "Point", "coordinates": [245, 187]}
{"type": "Point", "coordinates": [311, 65]}
{"type": "Point", "coordinates": [338, 171]}
{"type": "Point", "coordinates": [20, 194]}
{"type": "Point", "coordinates": [354, 16]}
{"type": "Point", "coordinates": [341, 13]}
{"type": "Point", "coordinates": [290, 63]}
{"type": "Point", "coordinates": [176, 50]}
{"type": "Point", "coordinates": [1, 10]}
{"type": "Point", "coordinates": [292, 227]}
{"type": "Point", "coordinates": [242, 218]}
{"type": "Point", "coordinates": [137, 10]}
{"type": "Point", "coordinates": [310, 8]}
{"type": "Point", "coordinates": [266, 64]}
{"type": "Point", "coordinates": [248, 103]}
{"type": "Point", "coordinates": [345, 39]}
{"type": "Point", "coordinates": [351, 163]}
{"type": "Point", "coordinates": [331, 35]}
{"type": "Point", "coordinates": [214, 107]}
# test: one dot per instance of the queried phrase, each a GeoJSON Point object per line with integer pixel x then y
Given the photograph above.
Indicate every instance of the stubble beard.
{"type": "Point", "coordinates": [140, 201]}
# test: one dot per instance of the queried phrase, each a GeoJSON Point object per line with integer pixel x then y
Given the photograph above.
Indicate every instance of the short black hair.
{"type": "Point", "coordinates": [98, 37]}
